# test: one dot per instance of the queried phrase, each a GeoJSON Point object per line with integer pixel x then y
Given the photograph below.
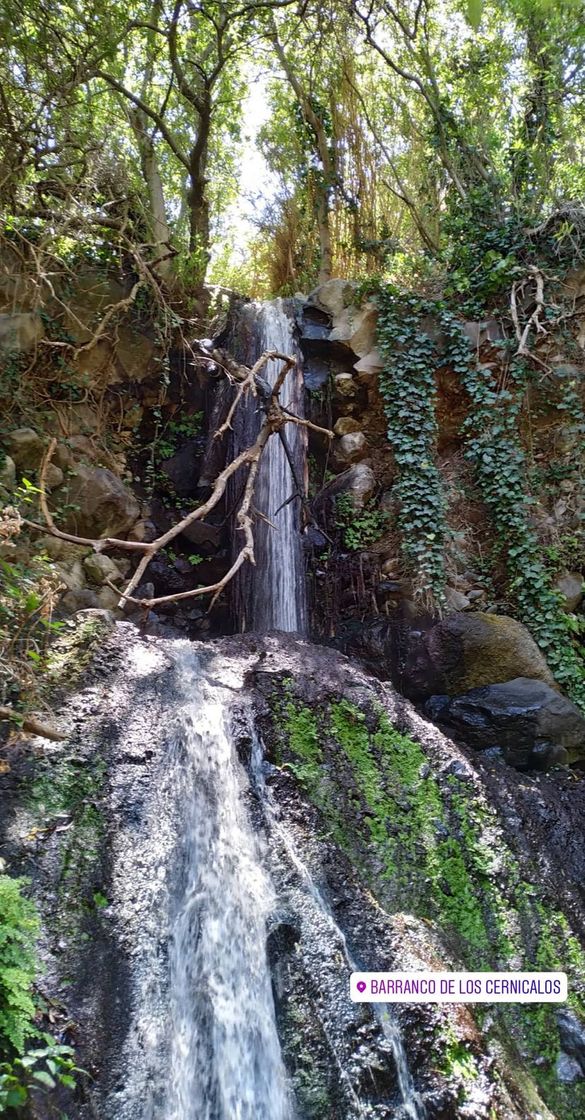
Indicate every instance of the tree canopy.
{"type": "Point", "coordinates": [389, 130]}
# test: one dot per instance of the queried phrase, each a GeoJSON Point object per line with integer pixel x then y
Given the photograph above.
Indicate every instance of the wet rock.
{"type": "Point", "coordinates": [203, 535]}
{"type": "Point", "coordinates": [535, 726]}
{"type": "Point", "coordinates": [20, 332]}
{"type": "Point", "coordinates": [103, 505]}
{"type": "Point", "coordinates": [469, 650]}
{"type": "Point", "coordinates": [570, 585]}
{"type": "Point", "coordinates": [26, 448]}
{"type": "Point", "coordinates": [183, 468]}
{"type": "Point", "coordinates": [572, 1039]}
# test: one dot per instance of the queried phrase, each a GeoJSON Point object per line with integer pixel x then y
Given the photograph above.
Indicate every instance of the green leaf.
{"type": "Point", "coordinates": [473, 13]}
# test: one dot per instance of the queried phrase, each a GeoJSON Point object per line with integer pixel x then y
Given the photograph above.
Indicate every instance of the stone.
{"type": "Point", "coordinates": [74, 601]}
{"type": "Point", "coordinates": [108, 599]}
{"type": "Point", "coordinates": [333, 297]}
{"type": "Point", "coordinates": [7, 473]}
{"type": "Point", "coordinates": [572, 1038]}
{"type": "Point", "coordinates": [570, 585]}
{"type": "Point", "coordinates": [72, 575]}
{"type": "Point", "coordinates": [363, 337]}
{"type": "Point", "coordinates": [135, 354]}
{"type": "Point", "coordinates": [359, 483]}
{"type": "Point", "coordinates": [469, 650]}
{"type": "Point", "coordinates": [100, 568]}
{"type": "Point", "coordinates": [368, 367]}
{"type": "Point", "coordinates": [346, 424]}
{"type": "Point", "coordinates": [20, 332]}
{"type": "Point", "coordinates": [534, 725]}
{"type": "Point", "coordinates": [26, 448]}
{"type": "Point", "coordinates": [144, 530]}
{"type": "Point", "coordinates": [455, 600]}
{"type": "Point", "coordinates": [103, 506]}
{"type": "Point", "coordinates": [183, 467]}
{"type": "Point", "coordinates": [344, 385]}
{"type": "Point", "coordinates": [203, 535]}
{"type": "Point", "coordinates": [350, 448]}
{"type": "Point", "coordinates": [53, 477]}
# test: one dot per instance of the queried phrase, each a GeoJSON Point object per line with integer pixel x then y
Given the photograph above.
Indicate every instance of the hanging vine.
{"type": "Point", "coordinates": [408, 389]}
{"type": "Point", "coordinates": [494, 447]}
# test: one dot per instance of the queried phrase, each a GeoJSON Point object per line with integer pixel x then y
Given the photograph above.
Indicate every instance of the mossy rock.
{"type": "Point", "coordinates": [471, 650]}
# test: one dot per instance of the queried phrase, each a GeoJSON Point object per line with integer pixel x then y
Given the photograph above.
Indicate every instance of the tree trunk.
{"type": "Point", "coordinates": [198, 200]}
{"type": "Point", "coordinates": [157, 218]}
{"type": "Point", "coordinates": [326, 254]}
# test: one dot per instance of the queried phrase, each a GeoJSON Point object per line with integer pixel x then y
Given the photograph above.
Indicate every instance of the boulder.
{"type": "Point", "coordinates": [100, 568]}
{"type": "Point", "coordinates": [456, 600]}
{"type": "Point", "coordinates": [469, 650]}
{"type": "Point", "coordinates": [182, 469]}
{"type": "Point", "coordinates": [346, 424]}
{"type": "Point", "coordinates": [570, 585]}
{"type": "Point", "coordinates": [359, 483]}
{"type": "Point", "coordinates": [7, 473]}
{"type": "Point", "coordinates": [72, 575]}
{"type": "Point", "coordinates": [532, 724]}
{"type": "Point", "coordinates": [20, 332]}
{"type": "Point", "coordinates": [103, 506]}
{"type": "Point", "coordinates": [368, 367]}
{"type": "Point", "coordinates": [333, 297]}
{"type": "Point", "coordinates": [363, 337]}
{"type": "Point", "coordinates": [53, 477]}
{"type": "Point", "coordinates": [350, 448]}
{"type": "Point", "coordinates": [142, 531]}
{"type": "Point", "coordinates": [26, 448]}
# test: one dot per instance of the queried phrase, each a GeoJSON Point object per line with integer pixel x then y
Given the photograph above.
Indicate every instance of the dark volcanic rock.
{"type": "Point", "coordinates": [535, 726]}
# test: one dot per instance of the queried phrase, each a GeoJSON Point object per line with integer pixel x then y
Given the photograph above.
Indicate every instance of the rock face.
{"type": "Point", "coordinates": [104, 506]}
{"type": "Point", "coordinates": [470, 650]}
{"type": "Point", "coordinates": [534, 726]}
{"type": "Point", "coordinates": [25, 447]}
{"type": "Point", "coordinates": [20, 332]}
{"type": "Point", "coordinates": [384, 835]}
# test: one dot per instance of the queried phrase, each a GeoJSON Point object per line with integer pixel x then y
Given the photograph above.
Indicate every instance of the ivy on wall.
{"type": "Point", "coordinates": [493, 445]}
{"type": "Point", "coordinates": [408, 389]}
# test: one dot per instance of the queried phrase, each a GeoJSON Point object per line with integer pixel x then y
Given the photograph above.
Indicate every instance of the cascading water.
{"type": "Point", "coordinates": [203, 1044]}
{"type": "Point", "coordinates": [272, 595]}
{"type": "Point", "coordinates": [225, 1055]}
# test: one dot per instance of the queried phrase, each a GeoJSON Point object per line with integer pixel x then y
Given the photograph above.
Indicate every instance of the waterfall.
{"type": "Point", "coordinates": [272, 596]}
{"type": "Point", "coordinates": [203, 1044]}
{"type": "Point", "coordinates": [225, 1055]}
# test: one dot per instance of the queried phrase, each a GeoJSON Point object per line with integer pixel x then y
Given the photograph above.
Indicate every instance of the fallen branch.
{"type": "Point", "coordinates": [276, 417]}
{"type": "Point", "coordinates": [32, 725]}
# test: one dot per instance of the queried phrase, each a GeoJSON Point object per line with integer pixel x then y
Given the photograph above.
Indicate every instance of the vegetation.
{"type": "Point", "coordinates": [431, 847]}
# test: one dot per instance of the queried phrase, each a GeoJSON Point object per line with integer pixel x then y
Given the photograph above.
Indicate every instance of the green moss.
{"type": "Point", "coordinates": [428, 847]}
{"type": "Point", "coordinates": [65, 792]}
{"type": "Point", "coordinates": [74, 650]}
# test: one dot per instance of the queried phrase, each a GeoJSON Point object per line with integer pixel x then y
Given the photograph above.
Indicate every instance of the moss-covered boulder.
{"type": "Point", "coordinates": [471, 650]}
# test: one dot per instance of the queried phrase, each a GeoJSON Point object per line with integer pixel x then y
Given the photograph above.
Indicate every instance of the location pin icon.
{"type": "Point", "coordinates": [361, 985]}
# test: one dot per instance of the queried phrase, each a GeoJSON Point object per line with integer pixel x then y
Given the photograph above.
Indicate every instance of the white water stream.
{"type": "Point", "coordinates": [225, 1061]}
